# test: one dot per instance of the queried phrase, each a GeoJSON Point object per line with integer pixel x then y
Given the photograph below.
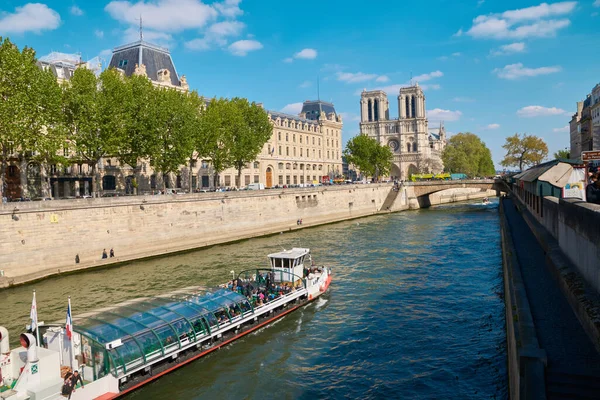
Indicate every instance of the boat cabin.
{"type": "Point", "coordinates": [288, 265]}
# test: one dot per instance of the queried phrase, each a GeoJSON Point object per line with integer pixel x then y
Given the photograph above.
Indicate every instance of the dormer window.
{"type": "Point", "coordinates": [122, 63]}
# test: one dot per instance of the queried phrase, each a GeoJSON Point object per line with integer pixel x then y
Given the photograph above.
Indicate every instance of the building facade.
{"type": "Point", "coordinates": [414, 148]}
{"type": "Point", "coordinates": [584, 126]}
{"type": "Point", "coordinates": [303, 149]}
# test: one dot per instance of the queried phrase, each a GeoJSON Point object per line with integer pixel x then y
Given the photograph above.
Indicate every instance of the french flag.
{"type": "Point", "coordinates": [69, 324]}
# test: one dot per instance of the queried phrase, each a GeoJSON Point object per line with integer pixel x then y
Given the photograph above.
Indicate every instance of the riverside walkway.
{"type": "Point", "coordinates": [573, 364]}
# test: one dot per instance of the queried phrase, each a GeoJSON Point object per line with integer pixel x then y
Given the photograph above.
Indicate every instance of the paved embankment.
{"type": "Point", "coordinates": [573, 363]}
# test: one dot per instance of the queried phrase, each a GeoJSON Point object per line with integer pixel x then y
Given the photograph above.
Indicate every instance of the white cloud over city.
{"type": "Point", "coordinates": [76, 11]}
{"type": "Point", "coordinates": [518, 70]}
{"type": "Point", "coordinates": [543, 20]}
{"type": "Point", "coordinates": [439, 115]}
{"type": "Point", "coordinates": [243, 47]}
{"type": "Point", "coordinates": [32, 17]}
{"type": "Point", "coordinates": [508, 49]}
{"type": "Point", "coordinates": [540, 111]}
{"type": "Point", "coordinates": [564, 129]}
{"type": "Point", "coordinates": [293, 108]}
{"type": "Point", "coordinates": [304, 54]}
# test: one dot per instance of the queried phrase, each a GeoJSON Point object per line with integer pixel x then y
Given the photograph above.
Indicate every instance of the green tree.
{"type": "Point", "coordinates": [175, 119]}
{"type": "Point", "coordinates": [139, 118]}
{"type": "Point", "coordinates": [251, 128]}
{"type": "Point", "coordinates": [369, 156]}
{"type": "Point", "coordinates": [94, 115]}
{"type": "Point", "coordinates": [564, 154]}
{"type": "Point", "coordinates": [467, 153]}
{"type": "Point", "coordinates": [524, 151]}
{"type": "Point", "coordinates": [23, 108]}
{"type": "Point", "coordinates": [199, 140]}
{"type": "Point", "coordinates": [216, 128]}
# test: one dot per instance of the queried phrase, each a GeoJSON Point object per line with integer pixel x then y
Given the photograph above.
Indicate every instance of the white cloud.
{"type": "Point", "coordinates": [106, 53]}
{"type": "Point", "coordinates": [243, 47]}
{"type": "Point", "coordinates": [305, 84]}
{"type": "Point", "coordinates": [76, 11]}
{"type": "Point", "coordinates": [306, 54]}
{"type": "Point", "coordinates": [293, 108]}
{"type": "Point", "coordinates": [216, 35]}
{"type": "Point", "coordinates": [463, 100]}
{"type": "Point", "coordinates": [539, 111]}
{"type": "Point", "coordinates": [596, 3]}
{"type": "Point", "coordinates": [492, 126]}
{"type": "Point", "coordinates": [99, 34]}
{"type": "Point", "coordinates": [443, 58]}
{"type": "Point", "coordinates": [437, 115]}
{"type": "Point", "coordinates": [163, 15]}
{"type": "Point", "coordinates": [32, 17]}
{"type": "Point", "coordinates": [535, 21]}
{"type": "Point", "coordinates": [427, 77]}
{"type": "Point", "coordinates": [513, 48]}
{"type": "Point", "coordinates": [229, 8]}
{"type": "Point", "coordinates": [227, 28]}
{"type": "Point", "coordinates": [350, 117]}
{"type": "Point", "coordinates": [565, 128]}
{"type": "Point", "coordinates": [457, 54]}
{"type": "Point", "coordinates": [288, 60]}
{"type": "Point", "coordinates": [350, 77]}
{"type": "Point", "coordinates": [382, 78]}
{"type": "Point", "coordinates": [516, 71]}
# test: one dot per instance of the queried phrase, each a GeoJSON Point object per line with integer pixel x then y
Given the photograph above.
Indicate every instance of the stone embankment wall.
{"type": "Point", "coordinates": [39, 239]}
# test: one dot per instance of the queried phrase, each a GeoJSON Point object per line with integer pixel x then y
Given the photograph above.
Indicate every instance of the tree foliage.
{"type": "Point", "coordinates": [250, 135]}
{"type": "Point", "coordinates": [467, 153]}
{"type": "Point", "coordinates": [564, 154]}
{"type": "Point", "coordinates": [369, 156]}
{"type": "Point", "coordinates": [524, 151]}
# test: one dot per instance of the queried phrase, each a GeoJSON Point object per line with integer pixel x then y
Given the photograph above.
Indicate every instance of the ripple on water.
{"type": "Point", "coordinates": [415, 311]}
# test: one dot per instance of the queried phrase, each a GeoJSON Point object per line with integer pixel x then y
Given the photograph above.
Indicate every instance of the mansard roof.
{"type": "Point", "coordinates": [152, 56]}
{"type": "Point", "coordinates": [275, 114]}
{"type": "Point", "coordinates": [313, 108]}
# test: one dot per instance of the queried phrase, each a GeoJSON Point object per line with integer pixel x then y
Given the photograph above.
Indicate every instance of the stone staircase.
{"type": "Point", "coordinates": [562, 386]}
{"type": "Point", "coordinates": [389, 200]}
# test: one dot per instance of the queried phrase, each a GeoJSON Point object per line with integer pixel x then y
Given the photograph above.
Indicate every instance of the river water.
{"type": "Point", "coordinates": [415, 310]}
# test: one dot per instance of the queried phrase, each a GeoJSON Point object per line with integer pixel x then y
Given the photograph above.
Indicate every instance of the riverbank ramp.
{"type": "Point", "coordinates": [573, 363]}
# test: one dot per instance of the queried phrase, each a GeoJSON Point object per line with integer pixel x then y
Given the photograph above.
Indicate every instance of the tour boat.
{"type": "Point", "coordinates": [118, 349]}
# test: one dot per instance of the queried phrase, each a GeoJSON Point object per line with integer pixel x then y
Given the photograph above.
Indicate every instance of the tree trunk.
{"type": "Point", "coordinates": [3, 174]}
{"type": "Point", "coordinates": [44, 182]}
{"type": "Point", "coordinates": [239, 180]}
{"type": "Point", "coordinates": [94, 179]}
{"type": "Point", "coordinates": [190, 177]}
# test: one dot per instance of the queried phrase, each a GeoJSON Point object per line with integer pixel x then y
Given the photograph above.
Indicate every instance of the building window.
{"type": "Point", "coordinates": [269, 150]}
{"type": "Point", "coordinates": [301, 179]}
{"type": "Point", "coordinates": [281, 179]}
{"type": "Point", "coordinates": [279, 150]}
{"type": "Point", "coordinates": [413, 107]}
{"type": "Point", "coordinates": [287, 166]}
{"type": "Point", "coordinates": [313, 153]}
{"type": "Point", "coordinates": [407, 109]}
{"type": "Point", "coordinates": [294, 151]}
{"type": "Point", "coordinates": [108, 182]}
{"type": "Point", "coordinates": [300, 138]}
{"type": "Point", "coordinates": [287, 179]}
{"type": "Point", "coordinates": [327, 142]}
{"type": "Point", "coordinates": [153, 182]}
{"type": "Point", "coordinates": [246, 180]}
{"type": "Point", "coordinates": [255, 178]}
{"type": "Point", "coordinates": [280, 165]}
{"type": "Point", "coordinates": [319, 153]}
{"type": "Point", "coordinates": [313, 140]}
{"type": "Point", "coordinates": [327, 153]}
{"type": "Point", "coordinates": [408, 147]}
{"type": "Point", "coordinates": [300, 151]}
{"type": "Point", "coordinates": [294, 138]}
{"type": "Point", "coordinates": [12, 171]}
{"type": "Point", "coordinates": [227, 180]}
{"type": "Point", "coordinates": [122, 63]}
{"type": "Point", "coordinates": [287, 151]}
{"type": "Point", "coordinates": [287, 137]}
{"type": "Point", "coordinates": [319, 141]}
{"type": "Point", "coordinates": [295, 179]}
{"type": "Point", "coordinates": [279, 136]}
{"type": "Point", "coordinates": [295, 166]}
{"type": "Point", "coordinates": [256, 165]}
{"type": "Point", "coordinates": [306, 139]}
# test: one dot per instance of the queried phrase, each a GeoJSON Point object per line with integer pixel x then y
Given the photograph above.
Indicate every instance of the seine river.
{"type": "Point", "coordinates": [415, 311]}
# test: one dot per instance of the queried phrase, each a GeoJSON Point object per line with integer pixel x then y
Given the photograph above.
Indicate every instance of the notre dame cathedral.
{"type": "Point", "coordinates": [415, 149]}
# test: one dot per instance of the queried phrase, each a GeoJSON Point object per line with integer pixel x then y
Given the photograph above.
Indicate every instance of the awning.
{"type": "Point", "coordinates": [558, 175]}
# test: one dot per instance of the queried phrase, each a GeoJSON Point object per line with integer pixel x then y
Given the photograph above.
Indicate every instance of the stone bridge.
{"type": "Point", "coordinates": [426, 188]}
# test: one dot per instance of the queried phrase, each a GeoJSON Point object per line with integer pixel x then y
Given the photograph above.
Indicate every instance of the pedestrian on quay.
{"type": "Point", "coordinates": [592, 191]}
{"type": "Point", "coordinates": [104, 255]}
{"type": "Point", "coordinates": [112, 253]}
{"type": "Point", "coordinates": [77, 258]}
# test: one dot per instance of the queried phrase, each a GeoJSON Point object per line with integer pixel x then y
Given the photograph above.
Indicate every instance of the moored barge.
{"type": "Point", "coordinates": [120, 348]}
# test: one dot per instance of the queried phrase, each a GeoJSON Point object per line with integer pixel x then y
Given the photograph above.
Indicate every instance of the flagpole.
{"type": "Point", "coordinates": [37, 327]}
{"type": "Point", "coordinates": [71, 336]}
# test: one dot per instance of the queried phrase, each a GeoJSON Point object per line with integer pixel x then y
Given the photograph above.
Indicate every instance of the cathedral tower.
{"type": "Point", "coordinates": [411, 102]}
{"type": "Point", "coordinates": [374, 106]}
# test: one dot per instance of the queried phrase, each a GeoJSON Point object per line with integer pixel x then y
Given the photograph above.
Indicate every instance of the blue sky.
{"type": "Point", "coordinates": [490, 67]}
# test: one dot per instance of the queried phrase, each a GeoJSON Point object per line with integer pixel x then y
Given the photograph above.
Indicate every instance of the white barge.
{"type": "Point", "coordinates": [118, 349]}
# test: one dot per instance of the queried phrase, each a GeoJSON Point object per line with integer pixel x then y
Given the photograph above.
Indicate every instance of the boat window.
{"type": "Point", "coordinates": [130, 352]}
{"type": "Point", "coordinates": [166, 335]}
{"type": "Point", "coordinates": [150, 344]}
